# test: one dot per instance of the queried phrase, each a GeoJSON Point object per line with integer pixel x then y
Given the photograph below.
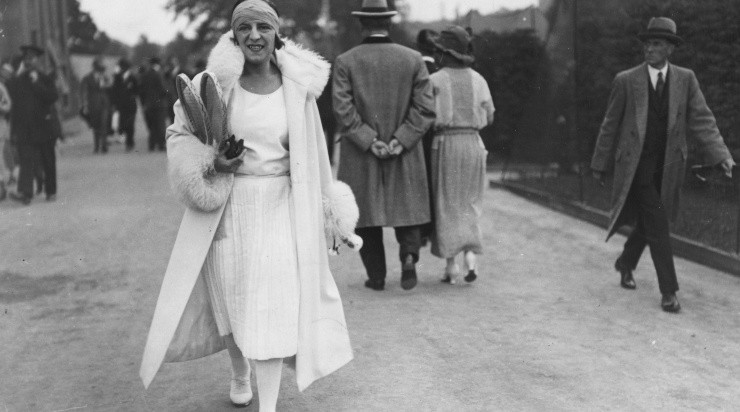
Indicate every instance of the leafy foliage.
{"type": "Point", "coordinates": [85, 37]}
{"type": "Point", "coordinates": [512, 64]}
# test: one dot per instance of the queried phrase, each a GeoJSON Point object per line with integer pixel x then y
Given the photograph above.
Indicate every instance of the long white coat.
{"type": "Point", "coordinates": [183, 327]}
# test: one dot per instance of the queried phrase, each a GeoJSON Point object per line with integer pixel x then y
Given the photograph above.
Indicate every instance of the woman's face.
{"type": "Point", "coordinates": [256, 40]}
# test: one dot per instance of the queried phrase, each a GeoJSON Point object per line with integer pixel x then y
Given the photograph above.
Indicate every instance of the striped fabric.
{"type": "Point", "coordinates": [252, 272]}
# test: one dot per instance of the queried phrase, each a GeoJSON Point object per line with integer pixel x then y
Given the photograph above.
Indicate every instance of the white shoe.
{"type": "Point", "coordinates": [241, 391]}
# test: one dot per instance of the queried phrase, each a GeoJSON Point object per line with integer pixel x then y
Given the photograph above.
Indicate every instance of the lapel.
{"type": "Point", "coordinates": [640, 86]}
{"type": "Point", "coordinates": [675, 91]}
{"type": "Point", "coordinates": [295, 102]}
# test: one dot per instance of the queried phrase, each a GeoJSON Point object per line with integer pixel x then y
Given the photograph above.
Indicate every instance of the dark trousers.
{"type": "Point", "coordinates": [651, 229]}
{"type": "Point", "coordinates": [32, 156]}
{"type": "Point", "coordinates": [101, 126]}
{"type": "Point", "coordinates": [126, 126]}
{"type": "Point", "coordinates": [373, 251]}
{"type": "Point", "coordinates": [155, 122]}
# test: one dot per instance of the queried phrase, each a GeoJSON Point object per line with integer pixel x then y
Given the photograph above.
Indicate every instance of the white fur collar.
{"type": "Point", "coordinates": [301, 65]}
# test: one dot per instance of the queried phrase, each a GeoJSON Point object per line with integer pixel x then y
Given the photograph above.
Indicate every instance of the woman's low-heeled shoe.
{"type": "Point", "coordinates": [241, 391]}
{"type": "Point", "coordinates": [471, 276]}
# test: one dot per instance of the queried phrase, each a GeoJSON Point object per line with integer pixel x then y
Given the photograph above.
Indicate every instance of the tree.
{"type": "Point", "coordinates": [85, 37]}
{"type": "Point", "coordinates": [143, 50]}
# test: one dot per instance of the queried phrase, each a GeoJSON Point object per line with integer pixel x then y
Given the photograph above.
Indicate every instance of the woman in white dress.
{"type": "Point", "coordinates": [265, 291]}
{"type": "Point", "coordinates": [464, 106]}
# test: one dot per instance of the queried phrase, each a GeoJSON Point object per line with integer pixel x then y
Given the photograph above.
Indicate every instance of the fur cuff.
{"type": "Point", "coordinates": [341, 215]}
{"type": "Point", "coordinates": [193, 179]}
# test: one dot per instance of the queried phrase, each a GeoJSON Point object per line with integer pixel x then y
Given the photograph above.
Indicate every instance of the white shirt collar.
{"type": "Point", "coordinates": [653, 72]}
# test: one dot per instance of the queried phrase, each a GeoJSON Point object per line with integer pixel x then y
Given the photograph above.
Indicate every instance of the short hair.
{"type": "Point", "coordinates": [375, 23]}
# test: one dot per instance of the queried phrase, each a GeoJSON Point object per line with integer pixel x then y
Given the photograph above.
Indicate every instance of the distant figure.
{"type": "Point", "coordinates": [384, 104]}
{"type": "Point", "coordinates": [463, 106]}
{"type": "Point", "coordinates": [171, 71]}
{"type": "Point", "coordinates": [6, 71]}
{"type": "Point", "coordinates": [96, 105]}
{"type": "Point", "coordinates": [33, 93]}
{"type": "Point", "coordinates": [425, 44]}
{"type": "Point", "coordinates": [154, 100]}
{"type": "Point", "coordinates": [200, 65]}
{"type": "Point", "coordinates": [124, 91]}
{"type": "Point", "coordinates": [653, 110]}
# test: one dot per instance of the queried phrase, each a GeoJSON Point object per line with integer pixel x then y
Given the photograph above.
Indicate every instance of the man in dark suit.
{"type": "Point", "coordinates": [96, 106]}
{"type": "Point", "coordinates": [33, 130]}
{"type": "Point", "coordinates": [154, 101]}
{"type": "Point", "coordinates": [384, 104]}
{"type": "Point", "coordinates": [123, 93]}
{"type": "Point", "coordinates": [652, 108]}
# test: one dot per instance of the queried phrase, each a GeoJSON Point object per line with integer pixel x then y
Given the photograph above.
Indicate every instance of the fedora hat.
{"type": "Point", "coordinates": [31, 49]}
{"type": "Point", "coordinates": [374, 8]}
{"type": "Point", "coordinates": [661, 28]}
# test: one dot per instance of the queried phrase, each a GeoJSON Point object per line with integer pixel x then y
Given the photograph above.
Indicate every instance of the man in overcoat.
{"type": "Point", "coordinates": [653, 108]}
{"type": "Point", "coordinates": [123, 94]}
{"type": "Point", "coordinates": [154, 101]}
{"type": "Point", "coordinates": [96, 105]}
{"type": "Point", "coordinates": [384, 104]}
{"type": "Point", "coordinates": [32, 125]}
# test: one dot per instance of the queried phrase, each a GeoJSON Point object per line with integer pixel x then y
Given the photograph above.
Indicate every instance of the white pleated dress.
{"type": "Point", "coordinates": [251, 268]}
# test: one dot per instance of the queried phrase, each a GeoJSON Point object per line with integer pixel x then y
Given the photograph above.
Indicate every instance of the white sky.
{"type": "Point", "coordinates": [126, 20]}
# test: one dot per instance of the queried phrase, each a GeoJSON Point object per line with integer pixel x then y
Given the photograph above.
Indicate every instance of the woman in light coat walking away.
{"type": "Point", "coordinates": [249, 270]}
{"type": "Point", "coordinates": [464, 106]}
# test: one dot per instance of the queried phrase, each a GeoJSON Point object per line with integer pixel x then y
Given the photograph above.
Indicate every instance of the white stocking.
{"type": "Point", "coordinates": [268, 382]}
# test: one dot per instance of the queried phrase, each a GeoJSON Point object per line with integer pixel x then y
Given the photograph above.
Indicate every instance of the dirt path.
{"type": "Point", "coordinates": [546, 327]}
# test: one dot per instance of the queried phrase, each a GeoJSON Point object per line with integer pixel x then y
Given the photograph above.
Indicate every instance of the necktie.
{"type": "Point", "coordinates": [659, 84]}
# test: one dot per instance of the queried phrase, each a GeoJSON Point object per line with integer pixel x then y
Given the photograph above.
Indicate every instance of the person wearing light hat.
{"type": "Point", "coordinates": [463, 106]}
{"type": "Point", "coordinates": [249, 270]}
{"type": "Point", "coordinates": [383, 103]}
{"type": "Point", "coordinates": [33, 93]}
{"type": "Point", "coordinates": [653, 111]}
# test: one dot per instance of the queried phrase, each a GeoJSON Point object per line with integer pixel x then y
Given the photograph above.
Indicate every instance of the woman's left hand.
{"type": "Point", "coordinates": [224, 165]}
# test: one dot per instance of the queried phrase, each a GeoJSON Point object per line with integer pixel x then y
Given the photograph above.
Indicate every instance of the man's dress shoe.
{"type": "Point", "coordinates": [375, 284]}
{"type": "Point", "coordinates": [627, 282]}
{"type": "Point", "coordinates": [669, 303]}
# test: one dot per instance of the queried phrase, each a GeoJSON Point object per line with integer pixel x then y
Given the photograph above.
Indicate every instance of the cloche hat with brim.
{"type": "Point", "coordinates": [455, 41]}
{"type": "Point", "coordinates": [374, 8]}
{"type": "Point", "coordinates": [661, 28]}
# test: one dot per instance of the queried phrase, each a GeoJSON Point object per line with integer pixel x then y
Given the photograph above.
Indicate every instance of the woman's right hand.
{"type": "Point", "coordinates": [224, 165]}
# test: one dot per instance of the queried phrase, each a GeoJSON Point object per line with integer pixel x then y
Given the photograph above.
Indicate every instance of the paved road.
{"type": "Point", "coordinates": [545, 328]}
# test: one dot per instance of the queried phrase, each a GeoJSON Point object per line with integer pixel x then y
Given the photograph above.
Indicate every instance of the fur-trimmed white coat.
{"type": "Point", "coordinates": [183, 326]}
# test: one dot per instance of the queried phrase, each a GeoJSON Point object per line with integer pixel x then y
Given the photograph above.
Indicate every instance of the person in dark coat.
{"type": "Point", "coordinates": [171, 71]}
{"type": "Point", "coordinates": [425, 44]}
{"type": "Point", "coordinates": [384, 104]}
{"type": "Point", "coordinates": [123, 93]}
{"type": "Point", "coordinates": [154, 101]}
{"type": "Point", "coordinates": [653, 109]}
{"type": "Point", "coordinates": [33, 94]}
{"type": "Point", "coordinates": [96, 106]}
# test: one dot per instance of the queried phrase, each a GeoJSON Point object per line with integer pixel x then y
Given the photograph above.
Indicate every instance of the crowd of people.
{"type": "Point", "coordinates": [30, 124]}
